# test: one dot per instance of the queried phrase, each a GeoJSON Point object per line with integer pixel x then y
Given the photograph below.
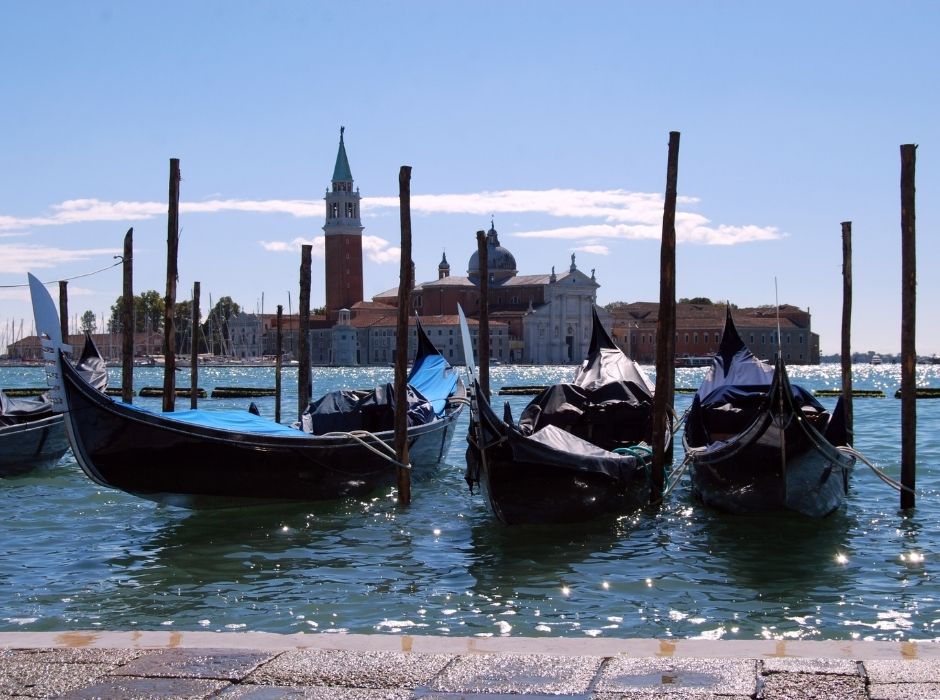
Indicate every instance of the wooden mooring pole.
{"type": "Point", "coordinates": [303, 367]}
{"type": "Point", "coordinates": [64, 310]}
{"type": "Point", "coordinates": [194, 350]}
{"type": "Point", "coordinates": [847, 331]}
{"type": "Point", "coordinates": [483, 332]}
{"type": "Point", "coordinates": [278, 358]}
{"type": "Point", "coordinates": [127, 319]}
{"type": "Point", "coordinates": [908, 327]}
{"type": "Point", "coordinates": [401, 338]}
{"type": "Point", "coordinates": [665, 328]}
{"type": "Point", "coordinates": [169, 312]}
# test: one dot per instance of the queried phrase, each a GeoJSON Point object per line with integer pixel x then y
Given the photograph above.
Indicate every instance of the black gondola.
{"type": "Point", "coordinates": [218, 457]}
{"type": "Point", "coordinates": [755, 442]}
{"type": "Point", "coordinates": [32, 434]}
{"type": "Point", "coordinates": [580, 449]}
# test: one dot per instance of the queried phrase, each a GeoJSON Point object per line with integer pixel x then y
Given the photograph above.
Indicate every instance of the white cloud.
{"type": "Point", "coordinates": [293, 246]}
{"type": "Point", "coordinates": [20, 259]}
{"type": "Point", "coordinates": [615, 214]}
{"type": "Point", "coordinates": [379, 250]}
{"type": "Point", "coordinates": [593, 248]}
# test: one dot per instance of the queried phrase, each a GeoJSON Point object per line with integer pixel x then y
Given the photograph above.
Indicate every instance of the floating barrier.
{"type": "Point", "coordinates": [180, 391]}
{"type": "Point", "coordinates": [922, 392]}
{"type": "Point", "coordinates": [685, 390]}
{"type": "Point", "coordinates": [26, 391]}
{"type": "Point", "coordinates": [856, 393]}
{"type": "Point", "coordinates": [522, 390]}
{"type": "Point", "coordinates": [117, 391]}
{"type": "Point", "coordinates": [239, 392]}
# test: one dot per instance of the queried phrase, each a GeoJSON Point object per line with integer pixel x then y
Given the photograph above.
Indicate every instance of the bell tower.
{"type": "Point", "coordinates": [343, 233]}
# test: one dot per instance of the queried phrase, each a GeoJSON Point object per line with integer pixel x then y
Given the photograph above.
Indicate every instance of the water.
{"type": "Point", "coordinates": [77, 556]}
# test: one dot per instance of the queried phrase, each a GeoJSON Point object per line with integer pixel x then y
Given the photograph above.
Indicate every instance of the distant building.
{"type": "Point", "coordinates": [245, 336]}
{"type": "Point", "coordinates": [699, 327]}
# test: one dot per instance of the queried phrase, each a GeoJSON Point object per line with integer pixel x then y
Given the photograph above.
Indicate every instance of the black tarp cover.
{"type": "Point", "coordinates": [374, 411]}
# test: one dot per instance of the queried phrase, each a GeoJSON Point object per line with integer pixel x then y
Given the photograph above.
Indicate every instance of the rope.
{"type": "Point", "coordinates": [677, 475]}
{"type": "Point", "coordinates": [897, 485]}
{"type": "Point", "coordinates": [387, 453]}
{"type": "Point", "coordinates": [68, 279]}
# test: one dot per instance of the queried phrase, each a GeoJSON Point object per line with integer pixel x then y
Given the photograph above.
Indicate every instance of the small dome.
{"type": "Point", "coordinates": [501, 264]}
{"type": "Point", "coordinates": [444, 265]}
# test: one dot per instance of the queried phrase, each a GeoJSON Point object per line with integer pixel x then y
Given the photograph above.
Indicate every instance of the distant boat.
{"type": "Point", "coordinates": [875, 359]}
{"type": "Point", "coordinates": [756, 443]}
{"type": "Point", "coordinates": [693, 360]}
{"type": "Point", "coordinates": [214, 458]}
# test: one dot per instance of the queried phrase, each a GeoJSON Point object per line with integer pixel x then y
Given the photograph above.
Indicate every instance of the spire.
{"type": "Point", "coordinates": [443, 268]}
{"type": "Point", "coordinates": [342, 173]}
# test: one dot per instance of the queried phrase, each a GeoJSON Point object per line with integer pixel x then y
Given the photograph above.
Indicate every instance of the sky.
{"type": "Point", "coordinates": [550, 119]}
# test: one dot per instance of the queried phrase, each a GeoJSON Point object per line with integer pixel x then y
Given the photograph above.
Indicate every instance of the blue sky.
{"type": "Point", "coordinates": [553, 118]}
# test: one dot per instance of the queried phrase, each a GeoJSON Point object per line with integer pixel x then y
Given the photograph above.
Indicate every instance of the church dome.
{"type": "Point", "coordinates": [501, 264]}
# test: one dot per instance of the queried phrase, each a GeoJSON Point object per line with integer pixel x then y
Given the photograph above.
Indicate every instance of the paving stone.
{"type": "Point", "coordinates": [25, 674]}
{"type": "Point", "coordinates": [904, 691]}
{"type": "Point", "coordinates": [813, 686]}
{"type": "Point", "coordinates": [898, 671]}
{"type": "Point", "coordinates": [196, 663]}
{"type": "Point", "coordinates": [843, 667]}
{"type": "Point", "coordinates": [640, 677]}
{"type": "Point", "coordinates": [115, 657]}
{"type": "Point", "coordinates": [518, 673]}
{"type": "Point", "coordinates": [275, 692]}
{"type": "Point", "coordinates": [351, 669]}
{"type": "Point", "coordinates": [147, 689]}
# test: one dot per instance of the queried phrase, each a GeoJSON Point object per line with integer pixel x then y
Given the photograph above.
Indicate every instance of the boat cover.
{"type": "Point", "coordinates": [734, 364]}
{"type": "Point", "coordinates": [374, 411]}
{"type": "Point", "coordinates": [554, 447]}
{"type": "Point", "coordinates": [17, 410]}
{"type": "Point", "coordinates": [228, 420]}
{"type": "Point", "coordinates": [434, 378]}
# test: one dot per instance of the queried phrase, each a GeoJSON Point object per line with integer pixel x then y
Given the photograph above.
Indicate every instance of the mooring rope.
{"type": "Point", "coordinates": [387, 453]}
{"type": "Point", "coordinates": [897, 485]}
{"type": "Point", "coordinates": [676, 476]}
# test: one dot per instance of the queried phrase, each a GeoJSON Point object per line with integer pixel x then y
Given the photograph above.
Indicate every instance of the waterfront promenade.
{"type": "Point", "coordinates": [263, 666]}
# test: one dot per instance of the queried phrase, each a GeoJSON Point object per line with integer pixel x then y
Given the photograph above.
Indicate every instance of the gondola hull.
{"type": "Point", "coordinates": [152, 456]}
{"type": "Point", "coordinates": [770, 469]}
{"type": "Point", "coordinates": [521, 490]}
{"type": "Point", "coordinates": [34, 444]}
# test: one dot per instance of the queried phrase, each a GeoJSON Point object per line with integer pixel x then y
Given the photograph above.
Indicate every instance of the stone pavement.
{"type": "Point", "coordinates": [259, 666]}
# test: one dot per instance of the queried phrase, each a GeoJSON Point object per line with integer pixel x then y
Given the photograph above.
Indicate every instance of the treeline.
{"type": "Point", "coordinates": [149, 309]}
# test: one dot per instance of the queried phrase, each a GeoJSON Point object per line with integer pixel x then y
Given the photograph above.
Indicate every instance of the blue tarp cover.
{"type": "Point", "coordinates": [238, 421]}
{"type": "Point", "coordinates": [435, 380]}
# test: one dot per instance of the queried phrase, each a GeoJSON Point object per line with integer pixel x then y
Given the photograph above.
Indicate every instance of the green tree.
{"type": "Point", "coordinates": [701, 301]}
{"type": "Point", "coordinates": [88, 323]}
{"type": "Point", "coordinates": [148, 313]}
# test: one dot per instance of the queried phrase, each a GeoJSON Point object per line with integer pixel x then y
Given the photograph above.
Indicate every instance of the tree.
{"type": "Point", "coordinates": [701, 301]}
{"type": "Point", "coordinates": [89, 323]}
{"type": "Point", "coordinates": [148, 313]}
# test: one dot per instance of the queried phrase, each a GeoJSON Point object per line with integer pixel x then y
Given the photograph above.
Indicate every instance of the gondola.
{"type": "Point", "coordinates": [212, 458]}
{"type": "Point", "coordinates": [580, 450]}
{"type": "Point", "coordinates": [755, 442]}
{"type": "Point", "coordinates": [32, 434]}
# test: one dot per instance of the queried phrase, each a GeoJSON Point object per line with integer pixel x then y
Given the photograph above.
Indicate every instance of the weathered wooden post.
{"type": "Point", "coordinates": [401, 338]}
{"type": "Point", "coordinates": [665, 328]}
{"type": "Point", "coordinates": [847, 331]}
{"type": "Point", "coordinates": [127, 319]}
{"type": "Point", "coordinates": [194, 350]}
{"type": "Point", "coordinates": [278, 354]}
{"type": "Point", "coordinates": [483, 333]}
{"type": "Point", "coordinates": [908, 327]}
{"type": "Point", "coordinates": [64, 310]}
{"type": "Point", "coordinates": [169, 311]}
{"type": "Point", "coordinates": [303, 368]}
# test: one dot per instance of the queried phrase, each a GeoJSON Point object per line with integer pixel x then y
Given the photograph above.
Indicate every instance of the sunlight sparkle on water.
{"type": "Point", "coordinates": [565, 590]}
{"type": "Point", "coordinates": [841, 558]}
